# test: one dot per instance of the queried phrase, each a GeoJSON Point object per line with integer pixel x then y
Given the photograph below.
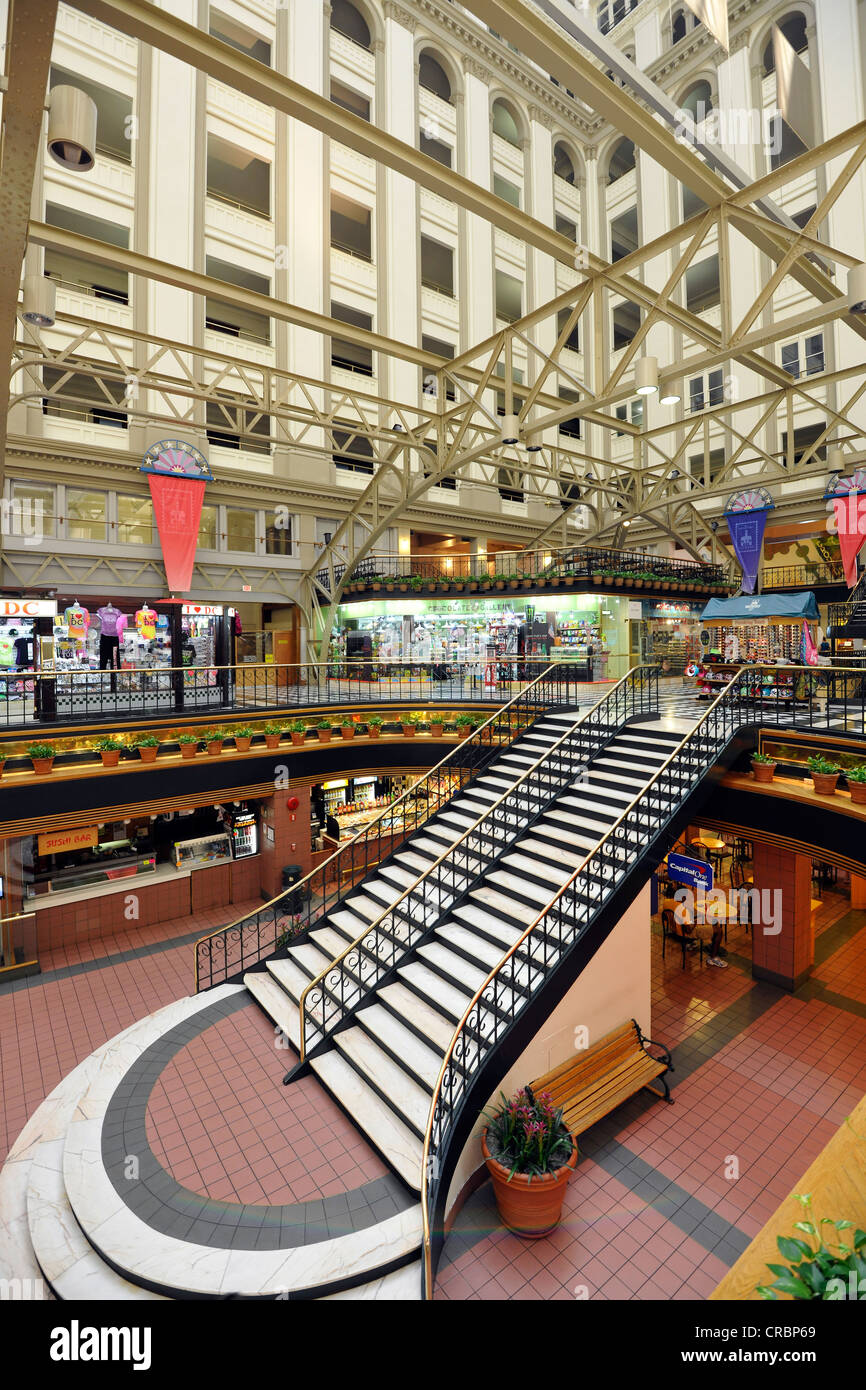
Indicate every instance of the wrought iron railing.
{"type": "Point", "coordinates": [233, 949]}
{"type": "Point", "coordinates": [395, 574]}
{"type": "Point", "coordinates": [802, 576]}
{"type": "Point", "coordinates": [399, 929]}
{"type": "Point", "coordinates": [516, 980]}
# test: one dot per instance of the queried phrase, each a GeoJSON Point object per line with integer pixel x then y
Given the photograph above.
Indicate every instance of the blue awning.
{"type": "Point", "coordinates": [783, 608]}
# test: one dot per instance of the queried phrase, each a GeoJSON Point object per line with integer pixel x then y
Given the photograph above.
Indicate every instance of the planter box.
{"type": "Point", "coordinates": [373, 730]}
{"type": "Point", "coordinates": [42, 766]}
{"type": "Point", "coordinates": [858, 793]}
{"type": "Point", "coordinates": [347, 732]}
{"type": "Point", "coordinates": [242, 744]}
{"type": "Point", "coordinates": [408, 730]}
{"type": "Point", "coordinates": [214, 748]}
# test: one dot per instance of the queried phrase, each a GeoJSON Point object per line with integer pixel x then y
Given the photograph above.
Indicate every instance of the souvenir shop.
{"type": "Point", "coordinates": [22, 620]}
{"type": "Point", "coordinates": [670, 634]}
{"type": "Point", "coordinates": [471, 633]}
{"type": "Point", "coordinates": [343, 806]}
{"type": "Point", "coordinates": [774, 630]}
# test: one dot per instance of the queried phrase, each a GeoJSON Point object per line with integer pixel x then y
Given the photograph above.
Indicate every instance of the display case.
{"type": "Point", "coordinates": [208, 849]}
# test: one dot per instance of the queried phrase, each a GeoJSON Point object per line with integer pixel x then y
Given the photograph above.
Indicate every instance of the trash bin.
{"type": "Point", "coordinates": [292, 874]}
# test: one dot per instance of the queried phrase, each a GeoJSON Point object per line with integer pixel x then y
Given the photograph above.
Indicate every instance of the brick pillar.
{"type": "Point", "coordinates": [786, 957]}
{"type": "Point", "coordinates": [287, 832]}
{"type": "Point", "coordinates": [858, 891]}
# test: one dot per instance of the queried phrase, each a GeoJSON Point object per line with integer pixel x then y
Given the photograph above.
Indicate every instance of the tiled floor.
{"type": "Point", "coordinates": [664, 1199]}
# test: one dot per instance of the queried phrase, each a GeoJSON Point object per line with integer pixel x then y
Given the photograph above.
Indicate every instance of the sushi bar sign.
{"type": "Point", "coordinates": [177, 473]}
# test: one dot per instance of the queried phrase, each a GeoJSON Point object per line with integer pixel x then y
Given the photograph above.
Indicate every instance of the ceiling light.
{"type": "Point", "coordinates": [671, 394]}
{"type": "Point", "coordinates": [40, 298]}
{"type": "Point", "coordinates": [72, 128]}
{"type": "Point", "coordinates": [647, 376]}
{"type": "Point", "coordinates": [509, 429]}
{"type": "Point", "coordinates": [836, 460]}
{"type": "Point", "coordinates": [857, 289]}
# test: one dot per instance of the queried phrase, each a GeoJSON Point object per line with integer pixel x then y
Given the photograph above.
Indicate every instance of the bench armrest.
{"type": "Point", "coordinates": [666, 1057]}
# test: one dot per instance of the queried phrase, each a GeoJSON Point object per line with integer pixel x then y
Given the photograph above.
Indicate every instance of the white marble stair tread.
{"type": "Point", "coordinates": [395, 874]}
{"type": "Point", "coordinates": [394, 1140]}
{"type": "Point", "coordinates": [525, 887]}
{"type": "Point", "coordinates": [593, 790]}
{"type": "Point", "coordinates": [500, 902]}
{"type": "Point", "coordinates": [442, 994]}
{"type": "Point", "coordinates": [613, 757]}
{"type": "Point", "coordinates": [419, 1057]}
{"type": "Point", "coordinates": [331, 942]}
{"type": "Point", "coordinates": [568, 838]}
{"type": "Point", "coordinates": [400, 1286]}
{"type": "Point", "coordinates": [454, 966]}
{"type": "Point", "coordinates": [505, 932]}
{"type": "Point", "coordinates": [310, 958]}
{"type": "Point", "coordinates": [293, 980]}
{"type": "Point", "coordinates": [371, 908]}
{"type": "Point", "coordinates": [276, 1003]}
{"type": "Point", "coordinates": [573, 820]}
{"type": "Point", "coordinates": [348, 923]}
{"type": "Point", "coordinates": [523, 858]}
{"type": "Point", "coordinates": [438, 1029]}
{"type": "Point", "coordinates": [465, 939]}
{"type": "Point", "coordinates": [402, 1091]}
{"type": "Point", "coordinates": [415, 861]}
{"type": "Point", "coordinates": [461, 820]}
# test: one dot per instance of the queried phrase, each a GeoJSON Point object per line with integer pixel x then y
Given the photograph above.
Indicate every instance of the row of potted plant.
{"type": "Point", "coordinates": [610, 578]}
{"type": "Point", "coordinates": [825, 775]}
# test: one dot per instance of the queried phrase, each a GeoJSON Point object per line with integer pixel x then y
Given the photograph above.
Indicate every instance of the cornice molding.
{"type": "Point", "coordinates": [400, 16]}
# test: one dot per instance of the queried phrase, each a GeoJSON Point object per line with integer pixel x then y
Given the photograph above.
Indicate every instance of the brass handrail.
{"type": "Point", "coordinates": [7, 943]}
{"type": "Point", "coordinates": [459, 841]}
{"type": "Point", "coordinates": [425, 1156]}
{"type": "Point", "coordinates": [387, 811]}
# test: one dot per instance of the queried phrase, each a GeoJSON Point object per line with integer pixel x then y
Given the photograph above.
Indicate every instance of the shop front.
{"type": "Point", "coordinates": [509, 632]}
{"type": "Point", "coordinates": [670, 634]}
{"type": "Point", "coordinates": [344, 806]}
{"type": "Point", "coordinates": [764, 630]}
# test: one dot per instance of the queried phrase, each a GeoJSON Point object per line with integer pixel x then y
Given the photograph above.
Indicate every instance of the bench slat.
{"type": "Point", "coordinates": [598, 1080]}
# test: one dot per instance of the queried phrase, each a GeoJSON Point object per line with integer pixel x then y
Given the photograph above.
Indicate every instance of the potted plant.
{"type": "Point", "coordinates": [465, 724]}
{"type": "Point", "coordinates": [188, 745]}
{"type": "Point", "coordinates": [273, 734]}
{"type": "Point", "coordinates": [499, 581]}
{"type": "Point", "coordinates": [437, 726]}
{"type": "Point", "coordinates": [213, 742]}
{"type": "Point", "coordinates": [825, 775]}
{"type": "Point", "coordinates": [298, 731]}
{"type": "Point", "coordinates": [374, 725]}
{"type": "Point", "coordinates": [323, 729]}
{"type": "Point", "coordinates": [110, 750]}
{"type": "Point", "coordinates": [598, 578]}
{"type": "Point", "coordinates": [826, 1269]}
{"type": "Point", "coordinates": [148, 747]}
{"type": "Point", "coordinates": [243, 739]}
{"type": "Point", "coordinates": [347, 728]}
{"type": "Point", "coordinates": [530, 1157]}
{"type": "Point", "coordinates": [42, 756]}
{"type": "Point", "coordinates": [514, 581]}
{"type": "Point", "coordinates": [409, 724]}
{"type": "Point", "coordinates": [416, 583]}
{"type": "Point", "coordinates": [856, 779]}
{"type": "Point", "coordinates": [763, 767]}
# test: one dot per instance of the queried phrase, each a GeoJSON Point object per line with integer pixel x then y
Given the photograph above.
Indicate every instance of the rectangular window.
{"type": "Point", "coordinates": [509, 297]}
{"type": "Point", "coordinates": [237, 177]}
{"type": "Point", "coordinates": [566, 227]}
{"type": "Point", "coordinates": [636, 411]}
{"type": "Point", "coordinates": [791, 359]}
{"type": "Point", "coordinates": [814, 354]}
{"type": "Point", "coordinates": [134, 521]}
{"type": "Point", "coordinates": [237, 320]}
{"type": "Point", "coordinates": [37, 510]}
{"type": "Point", "coordinates": [439, 349]}
{"type": "Point", "coordinates": [207, 529]}
{"type": "Point", "coordinates": [350, 100]}
{"type": "Point", "coordinates": [437, 266]}
{"type": "Point", "coordinates": [804, 438]}
{"type": "Point", "coordinates": [504, 188]}
{"type": "Point", "coordinates": [240, 530]}
{"type": "Point", "coordinates": [570, 428]}
{"type": "Point", "coordinates": [626, 322]}
{"type": "Point", "coordinates": [716, 382]}
{"type": "Point", "coordinates": [621, 414]}
{"type": "Point", "coordinates": [278, 533]}
{"type": "Point", "coordinates": [573, 339]}
{"type": "Point", "coordinates": [113, 113]}
{"type": "Point", "coordinates": [437, 149]}
{"type": "Point", "coordinates": [702, 286]}
{"type": "Point", "coordinates": [351, 227]}
{"type": "Point", "coordinates": [353, 453]}
{"type": "Point", "coordinates": [85, 515]}
{"type": "Point", "coordinates": [696, 393]}
{"type": "Point", "coordinates": [349, 356]}
{"type": "Point", "coordinates": [239, 37]}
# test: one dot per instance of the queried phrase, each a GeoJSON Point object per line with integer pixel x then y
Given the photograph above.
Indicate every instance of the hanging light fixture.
{"type": "Point", "coordinates": [72, 128]}
{"type": "Point", "coordinates": [40, 300]}
{"type": "Point", "coordinates": [509, 430]}
{"type": "Point", "coordinates": [647, 376]}
{"type": "Point", "coordinates": [836, 459]}
{"type": "Point", "coordinates": [671, 394]}
{"type": "Point", "coordinates": [857, 289]}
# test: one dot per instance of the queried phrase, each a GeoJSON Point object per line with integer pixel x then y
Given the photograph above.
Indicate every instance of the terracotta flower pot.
{"type": "Point", "coordinates": [298, 738]}
{"type": "Point", "coordinates": [214, 748]}
{"type": "Point", "coordinates": [42, 766]}
{"type": "Point", "coordinates": [437, 730]}
{"type": "Point", "coordinates": [110, 756]}
{"type": "Point", "coordinates": [2, 765]}
{"type": "Point", "coordinates": [189, 750]}
{"type": "Point", "coordinates": [347, 731]}
{"type": "Point", "coordinates": [825, 783]}
{"type": "Point", "coordinates": [273, 740]}
{"type": "Point", "coordinates": [242, 744]}
{"type": "Point", "coordinates": [408, 730]}
{"type": "Point", "coordinates": [148, 755]}
{"type": "Point", "coordinates": [857, 790]}
{"type": "Point", "coordinates": [465, 732]}
{"type": "Point", "coordinates": [374, 730]}
{"type": "Point", "coordinates": [530, 1207]}
{"type": "Point", "coordinates": [763, 772]}
{"type": "Point", "coordinates": [324, 735]}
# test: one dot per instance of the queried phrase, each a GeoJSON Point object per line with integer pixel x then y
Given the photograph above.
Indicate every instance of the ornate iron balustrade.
{"type": "Point", "coordinates": [230, 951]}
{"type": "Point", "coordinates": [495, 1009]}
{"type": "Point", "coordinates": [349, 978]}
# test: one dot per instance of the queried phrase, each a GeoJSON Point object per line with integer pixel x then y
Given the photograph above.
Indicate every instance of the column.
{"type": "Point", "coordinates": [399, 269]}
{"type": "Point", "coordinates": [541, 269]}
{"type": "Point", "coordinates": [783, 951]}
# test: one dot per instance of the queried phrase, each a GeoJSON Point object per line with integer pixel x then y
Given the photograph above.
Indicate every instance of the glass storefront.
{"type": "Point", "coordinates": [670, 635]}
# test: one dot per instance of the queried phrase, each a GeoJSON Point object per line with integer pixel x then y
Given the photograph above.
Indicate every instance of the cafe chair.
{"type": "Point", "coordinates": [671, 933]}
{"type": "Point", "coordinates": [740, 879]}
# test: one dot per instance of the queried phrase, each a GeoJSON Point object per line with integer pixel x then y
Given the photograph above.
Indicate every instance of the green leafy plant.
{"type": "Point", "coordinates": [41, 750]}
{"type": "Point", "coordinates": [856, 774]}
{"type": "Point", "coordinates": [346, 722]}
{"type": "Point", "coordinates": [187, 738]}
{"type": "Point", "coordinates": [299, 726]}
{"type": "Point", "coordinates": [212, 736]}
{"type": "Point", "coordinates": [375, 719]}
{"type": "Point", "coordinates": [242, 733]}
{"type": "Point", "coordinates": [146, 741]}
{"type": "Point", "coordinates": [528, 1134]}
{"type": "Point", "coordinates": [822, 1267]}
{"type": "Point", "coordinates": [763, 759]}
{"type": "Point", "coordinates": [822, 766]}
{"type": "Point", "coordinates": [411, 718]}
{"type": "Point", "coordinates": [323, 724]}
{"type": "Point", "coordinates": [108, 744]}
{"type": "Point", "coordinates": [464, 720]}
{"type": "Point", "coordinates": [273, 729]}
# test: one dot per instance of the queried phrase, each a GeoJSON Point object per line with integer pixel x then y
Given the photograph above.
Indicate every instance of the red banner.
{"type": "Point", "coordinates": [177, 504]}
{"type": "Point", "coordinates": [850, 530]}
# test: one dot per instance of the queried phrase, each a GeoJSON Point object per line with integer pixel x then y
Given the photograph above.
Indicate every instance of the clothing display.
{"type": "Point", "coordinates": [109, 651]}
{"type": "Point", "coordinates": [109, 617]}
{"type": "Point", "coordinates": [145, 622]}
{"type": "Point", "coordinates": [77, 621]}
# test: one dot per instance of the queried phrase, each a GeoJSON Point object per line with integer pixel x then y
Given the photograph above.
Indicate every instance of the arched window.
{"type": "Point", "coordinates": [350, 23]}
{"type": "Point", "coordinates": [563, 168]}
{"type": "Point", "coordinates": [621, 161]}
{"type": "Point", "coordinates": [678, 27]}
{"type": "Point", "coordinates": [793, 26]}
{"type": "Point", "coordinates": [505, 123]}
{"type": "Point", "coordinates": [698, 100]}
{"type": "Point", "coordinates": [433, 78]}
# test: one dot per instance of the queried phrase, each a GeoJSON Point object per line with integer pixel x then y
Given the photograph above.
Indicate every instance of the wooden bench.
{"type": "Point", "coordinates": [597, 1080]}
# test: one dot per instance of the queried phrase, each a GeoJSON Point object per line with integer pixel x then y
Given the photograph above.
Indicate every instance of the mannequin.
{"type": "Point", "coordinates": [109, 636]}
{"type": "Point", "coordinates": [77, 620]}
{"type": "Point", "coordinates": [145, 621]}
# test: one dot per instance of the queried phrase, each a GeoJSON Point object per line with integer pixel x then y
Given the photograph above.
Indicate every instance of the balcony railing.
{"type": "Point", "coordinates": [802, 576]}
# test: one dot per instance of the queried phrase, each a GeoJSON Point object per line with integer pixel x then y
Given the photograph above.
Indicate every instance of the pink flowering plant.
{"type": "Point", "coordinates": [528, 1134]}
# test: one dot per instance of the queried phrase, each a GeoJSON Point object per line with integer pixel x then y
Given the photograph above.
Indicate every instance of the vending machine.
{"type": "Point", "coordinates": [245, 834]}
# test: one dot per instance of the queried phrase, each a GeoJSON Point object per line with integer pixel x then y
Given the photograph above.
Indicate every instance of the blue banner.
{"type": "Point", "coordinates": [747, 538]}
{"type": "Point", "coordinates": [695, 872]}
